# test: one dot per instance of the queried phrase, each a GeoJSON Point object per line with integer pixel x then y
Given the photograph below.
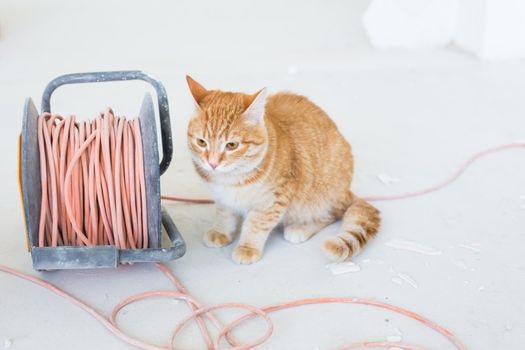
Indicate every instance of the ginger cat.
{"type": "Point", "coordinates": [272, 160]}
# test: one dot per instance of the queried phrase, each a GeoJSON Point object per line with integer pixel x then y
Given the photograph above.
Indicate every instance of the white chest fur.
{"type": "Point", "coordinates": [242, 198]}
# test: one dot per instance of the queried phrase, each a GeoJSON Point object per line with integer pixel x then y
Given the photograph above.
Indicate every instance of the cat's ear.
{"type": "Point", "coordinates": [255, 106]}
{"type": "Point", "coordinates": [197, 90]}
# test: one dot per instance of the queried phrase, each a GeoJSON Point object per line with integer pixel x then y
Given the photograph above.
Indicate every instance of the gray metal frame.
{"type": "Point", "coordinates": [68, 257]}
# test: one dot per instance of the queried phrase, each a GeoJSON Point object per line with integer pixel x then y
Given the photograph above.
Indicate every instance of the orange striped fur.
{"type": "Point", "coordinates": [275, 160]}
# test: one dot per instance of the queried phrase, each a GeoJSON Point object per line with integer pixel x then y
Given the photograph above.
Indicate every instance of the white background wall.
{"type": "Point", "coordinates": [164, 30]}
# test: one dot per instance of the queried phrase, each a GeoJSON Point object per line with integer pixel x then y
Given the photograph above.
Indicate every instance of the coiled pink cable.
{"type": "Point", "coordinates": [109, 186]}
{"type": "Point", "coordinates": [92, 176]}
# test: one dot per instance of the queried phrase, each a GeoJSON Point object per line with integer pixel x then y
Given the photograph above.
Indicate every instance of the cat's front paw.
{"type": "Point", "coordinates": [216, 239]}
{"type": "Point", "coordinates": [246, 255]}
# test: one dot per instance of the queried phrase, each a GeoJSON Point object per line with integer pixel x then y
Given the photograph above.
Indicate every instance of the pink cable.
{"type": "Point", "coordinates": [449, 179]}
{"type": "Point", "coordinates": [188, 200]}
{"type": "Point", "coordinates": [111, 323]}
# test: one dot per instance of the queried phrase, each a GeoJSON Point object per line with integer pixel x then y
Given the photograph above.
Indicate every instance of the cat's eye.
{"type": "Point", "coordinates": [230, 146]}
{"type": "Point", "coordinates": [201, 142]}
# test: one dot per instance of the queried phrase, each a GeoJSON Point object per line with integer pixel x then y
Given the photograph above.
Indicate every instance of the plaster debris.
{"type": "Point", "coordinates": [387, 179]}
{"type": "Point", "coordinates": [397, 280]}
{"type": "Point", "coordinates": [471, 248]}
{"type": "Point", "coordinates": [408, 279]}
{"type": "Point", "coordinates": [394, 338]}
{"type": "Point", "coordinates": [412, 246]}
{"type": "Point", "coordinates": [459, 263]}
{"type": "Point", "coordinates": [343, 267]}
{"type": "Point", "coordinates": [481, 288]}
{"type": "Point", "coordinates": [8, 343]}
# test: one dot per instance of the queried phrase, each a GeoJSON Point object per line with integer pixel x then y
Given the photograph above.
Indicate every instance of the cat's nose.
{"type": "Point", "coordinates": [213, 165]}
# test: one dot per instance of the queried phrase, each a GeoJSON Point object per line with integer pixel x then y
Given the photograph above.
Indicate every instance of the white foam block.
{"type": "Point", "coordinates": [492, 29]}
{"type": "Point", "coordinates": [411, 23]}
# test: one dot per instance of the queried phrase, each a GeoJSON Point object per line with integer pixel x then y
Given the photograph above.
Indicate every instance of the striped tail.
{"type": "Point", "coordinates": [360, 224]}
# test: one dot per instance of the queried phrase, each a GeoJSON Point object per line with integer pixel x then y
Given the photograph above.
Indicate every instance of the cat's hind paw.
{"type": "Point", "coordinates": [246, 255]}
{"type": "Point", "coordinates": [216, 239]}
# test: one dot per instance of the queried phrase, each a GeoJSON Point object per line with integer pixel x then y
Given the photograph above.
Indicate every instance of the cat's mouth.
{"type": "Point", "coordinates": [214, 168]}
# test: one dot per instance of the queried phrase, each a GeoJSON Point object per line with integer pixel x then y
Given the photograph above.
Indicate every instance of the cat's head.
{"type": "Point", "coordinates": [227, 134]}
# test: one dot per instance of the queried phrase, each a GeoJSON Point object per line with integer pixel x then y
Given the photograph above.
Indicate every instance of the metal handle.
{"type": "Point", "coordinates": [98, 77]}
{"type": "Point", "coordinates": [178, 246]}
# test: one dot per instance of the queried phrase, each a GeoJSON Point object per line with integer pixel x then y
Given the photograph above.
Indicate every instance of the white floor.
{"type": "Point", "coordinates": [412, 115]}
